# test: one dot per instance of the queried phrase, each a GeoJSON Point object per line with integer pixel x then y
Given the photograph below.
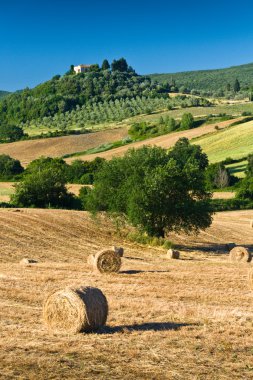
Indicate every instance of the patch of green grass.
{"type": "Point", "coordinates": [235, 142]}
{"type": "Point", "coordinates": [238, 169]}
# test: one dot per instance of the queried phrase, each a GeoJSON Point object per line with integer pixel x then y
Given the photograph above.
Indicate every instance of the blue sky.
{"type": "Point", "coordinates": [39, 39]}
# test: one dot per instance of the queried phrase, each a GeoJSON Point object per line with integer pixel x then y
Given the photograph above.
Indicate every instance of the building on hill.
{"type": "Point", "coordinates": [81, 68]}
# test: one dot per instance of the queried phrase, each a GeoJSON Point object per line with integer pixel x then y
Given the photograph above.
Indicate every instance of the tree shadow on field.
{"type": "Point", "coordinates": [152, 326]}
{"type": "Point", "coordinates": [143, 271]}
{"type": "Point", "coordinates": [207, 247]}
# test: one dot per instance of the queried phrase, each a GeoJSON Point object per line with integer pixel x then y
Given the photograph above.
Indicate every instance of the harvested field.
{"type": "Point", "coordinates": [26, 151]}
{"type": "Point", "coordinates": [224, 195]}
{"type": "Point", "coordinates": [7, 188]}
{"type": "Point", "coordinates": [182, 319]}
{"type": "Point", "coordinates": [165, 141]}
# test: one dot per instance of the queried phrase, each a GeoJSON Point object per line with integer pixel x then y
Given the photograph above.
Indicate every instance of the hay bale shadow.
{"type": "Point", "coordinates": [143, 271]}
{"type": "Point", "coordinates": [152, 326]}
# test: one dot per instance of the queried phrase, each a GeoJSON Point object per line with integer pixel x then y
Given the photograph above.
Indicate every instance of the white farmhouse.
{"type": "Point", "coordinates": [81, 68]}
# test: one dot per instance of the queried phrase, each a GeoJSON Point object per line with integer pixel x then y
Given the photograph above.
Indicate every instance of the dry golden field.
{"type": "Point", "coordinates": [182, 319]}
{"type": "Point", "coordinates": [29, 150]}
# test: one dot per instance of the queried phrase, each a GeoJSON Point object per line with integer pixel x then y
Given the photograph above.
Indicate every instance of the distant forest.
{"type": "Point", "coordinates": [218, 82]}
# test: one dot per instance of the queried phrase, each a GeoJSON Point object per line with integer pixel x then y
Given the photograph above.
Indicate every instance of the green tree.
{"type": "Point", "coordinates": [11, 133]}
{"type": "Point", "coordinates": [120, 65]}
{"type": "Point", "coordinates": [9, 167]}
{"type": "Point", "coordinates": [154, 191]}
{"type": "Point", "coordinates": [105, 65]}
{"type": "Point", "coordinates": [245, 190]}
{"type": "Point", "coordinates": [237, 86]}
{"type": "Point", "coordinates": [43, 185]}
{"type": "Point", "coordinates": [249, 168]}
{"type": "Point", "coordinates": [217, 176]}
{"type": "Point", "coordinates": [187, 121]}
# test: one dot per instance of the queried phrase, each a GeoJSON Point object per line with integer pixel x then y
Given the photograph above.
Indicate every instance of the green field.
{"type": "Point", "coordinates": [235, 142]}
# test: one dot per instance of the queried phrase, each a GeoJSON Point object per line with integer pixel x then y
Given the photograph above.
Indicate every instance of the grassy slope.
{"type": "Point", "coordinates": [235, 142]}
{"type": "Point", "coordinates": [209, 79]}
{"type": "Point", "coordinates": [198, 326]}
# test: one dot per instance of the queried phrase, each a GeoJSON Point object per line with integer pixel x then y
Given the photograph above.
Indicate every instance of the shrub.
{"type": "Point", "coordinates": [9, 167]}
{"type": "Point", "coordinates": [187, 121]}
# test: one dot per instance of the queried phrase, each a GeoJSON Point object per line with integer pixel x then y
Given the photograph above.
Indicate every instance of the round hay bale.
{"type": "Point", "coordinates": [241, 254]}
{"type": "Point", "coordinates": [172, 254]}
{"type": "Point", "coordinates": [251, 279]}
{"type": "Point", "coordinates": [119, 251]}
{"type": "Point", "coordinates": [107, 261]}
{"type": "Point", "coordinates": [26, 261]}
{"type": "Point", "coordinates": [90, 260]}
{"type": "Point", "coordinates": [74, 310]}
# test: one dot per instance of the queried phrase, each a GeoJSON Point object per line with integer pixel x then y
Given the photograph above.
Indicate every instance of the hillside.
{"type": "Point", "coordinates": [190, 317]}
{"type": "Point", "coordinates": [209, 80]}
{"type": "Point", "coordinates": [235, 142]}
{"type": "Point", "coordinates": [164, 141]}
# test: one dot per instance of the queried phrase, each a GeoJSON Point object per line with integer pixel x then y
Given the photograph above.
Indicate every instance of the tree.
{"type": "Point", "coordinates": [105, 65]}
{"type": "Point", "coordinates": [156, 193]}
{"type": "Point", "coordinates": [228, 87]}
{"type": "Point", "coordinates": [43, 185]}
{"type": "Point", "coordinates": [11, 133]}
{"type": "Point", "coordinates": [9, 167]}
{"type": "Point", "coordinates": [120, 65]}
{"type": "Point", "coordinates": [249, 168]}
{"type": "Point", "coordinates": [187, 121]}
{"type": "Point", "coordinates": [71, 70]}
{"type": "Point", "coordinates": [237, 86]}
{"type": "Point", "coordinates": [245, 190]}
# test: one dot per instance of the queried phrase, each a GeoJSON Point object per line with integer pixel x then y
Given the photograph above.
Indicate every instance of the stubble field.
{"type": "Point", "coordinates": [183, 319]}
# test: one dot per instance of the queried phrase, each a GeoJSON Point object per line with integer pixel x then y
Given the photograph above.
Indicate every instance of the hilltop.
{"type": "Point", "coordinates": [209, 80]}
{"type": "Point", "coordinates": [65, 93]}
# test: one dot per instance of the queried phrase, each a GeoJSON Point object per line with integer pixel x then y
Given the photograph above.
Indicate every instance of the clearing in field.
{"type": "Point", "coordinates": [168, 319]}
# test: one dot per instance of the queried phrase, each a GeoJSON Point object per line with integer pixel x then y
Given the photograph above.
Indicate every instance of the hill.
{"type": "Point", "coordinates": [63, 94]}
{"type": "Point", "coordinates": [209, 80]}
{"type": "Point", "coordinates": [165, 317]}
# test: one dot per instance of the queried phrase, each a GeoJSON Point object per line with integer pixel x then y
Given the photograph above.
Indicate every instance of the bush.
{"type": "Point", "coordinates": [187, 121]}
{"type": "Point", "coordinates": [9, 167]}
{"type": "Point", "coordinates": [44, 185]}
{"type": "Point", "coordinates": [218, 177]}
